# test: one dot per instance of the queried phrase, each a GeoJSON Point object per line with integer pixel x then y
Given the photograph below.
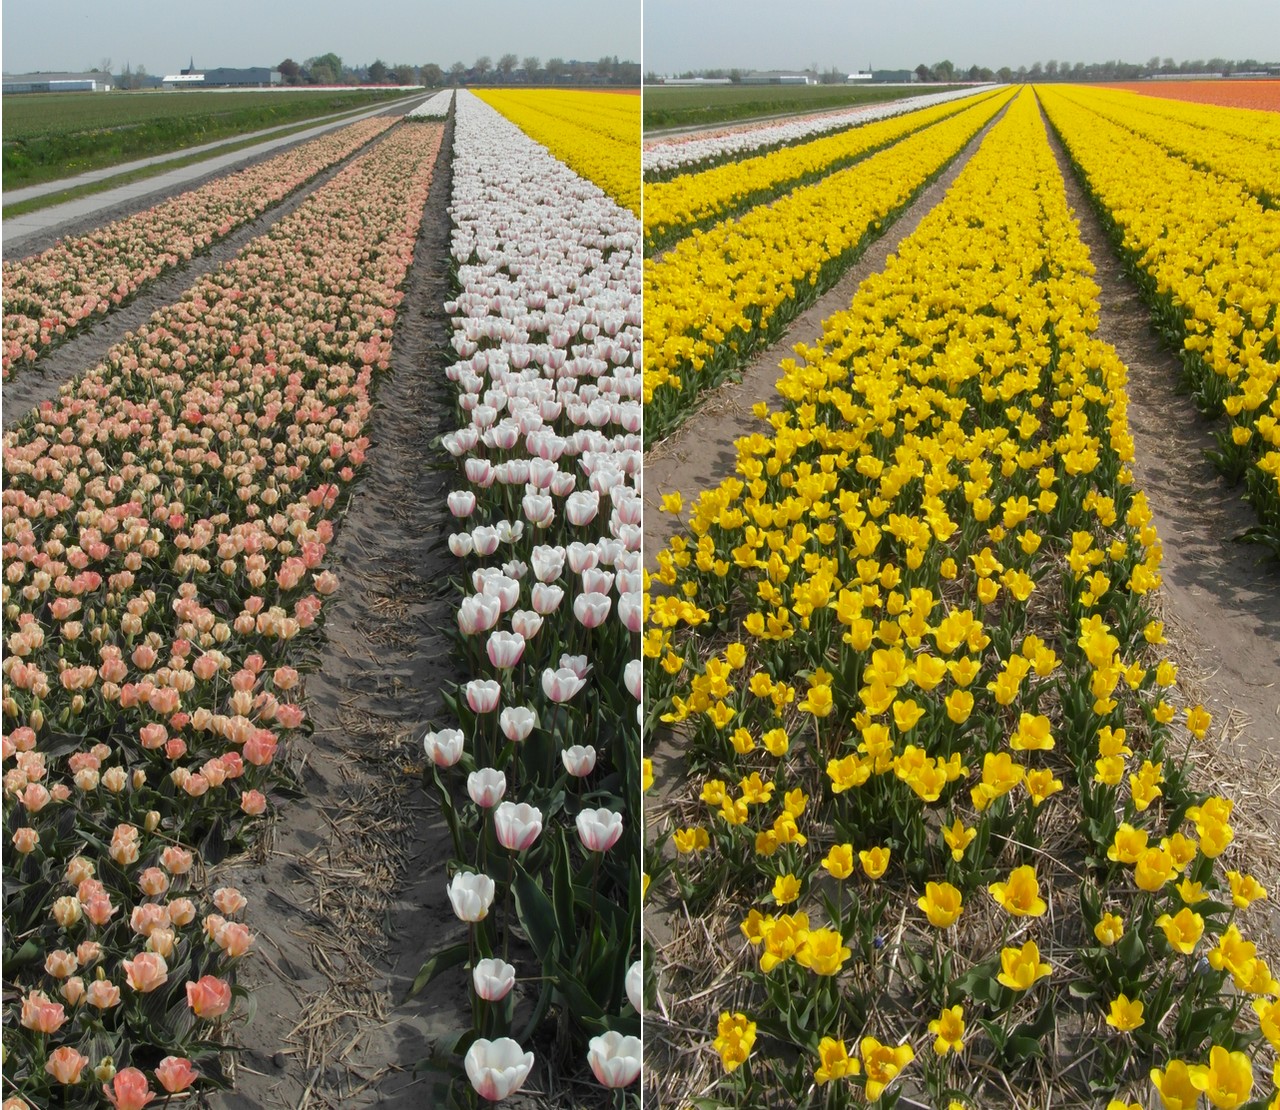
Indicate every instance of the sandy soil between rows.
{"type": "Point", "coordinates": [347, 897]}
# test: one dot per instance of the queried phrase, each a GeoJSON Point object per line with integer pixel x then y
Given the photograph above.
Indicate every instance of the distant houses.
{"type": "Point", "coordinates": [224, 78]}
{"type": "Point", "coordinates": [57, 82]}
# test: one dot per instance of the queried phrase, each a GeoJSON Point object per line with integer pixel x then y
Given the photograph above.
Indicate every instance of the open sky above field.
{"type": "Point", "coordinates": [163, 35]}
{"type": "Point", "coordinates": [901, 34]}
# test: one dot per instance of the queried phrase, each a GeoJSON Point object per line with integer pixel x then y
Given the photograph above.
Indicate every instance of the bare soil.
{"type": "Point", "coordinates": [348, 895]}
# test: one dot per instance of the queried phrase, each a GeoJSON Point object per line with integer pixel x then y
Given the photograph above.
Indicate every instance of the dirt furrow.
{"type": "Point", "coordinates": [1221, 599]}
{"type": "Point", "coordinates": [34, 385]}
{"type": "Point", "coordinates": [348, 897]}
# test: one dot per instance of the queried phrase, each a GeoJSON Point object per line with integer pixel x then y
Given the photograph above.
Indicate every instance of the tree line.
{"type": "Point", "coordinates": [1052, 70]}
{"type": "Point", "coordinates": [329, 69]}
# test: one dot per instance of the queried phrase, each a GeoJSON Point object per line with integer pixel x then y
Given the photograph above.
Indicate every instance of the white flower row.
{"type": "Point", "coordinates": [435, 107]}
{"type": "Point", "coordinates": [665, 155]}
{"type": "Point", "coordinates": [546, 332]}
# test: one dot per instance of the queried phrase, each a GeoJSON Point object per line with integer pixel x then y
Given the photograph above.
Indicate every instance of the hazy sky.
{"type": "Point", "coordinates": [901, 34]}
{"type": "Point", "coordinates": [162, 35]}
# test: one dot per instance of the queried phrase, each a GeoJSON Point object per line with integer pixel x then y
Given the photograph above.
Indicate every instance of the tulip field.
{"type": "Point", "coordinates": [50, 297]}
{"type": "Point", "coordinates": [931, 802]}
{"type": "Point", "coordinates": [167, 519]}
{"type": "Point", "coordinates": [717, 294]}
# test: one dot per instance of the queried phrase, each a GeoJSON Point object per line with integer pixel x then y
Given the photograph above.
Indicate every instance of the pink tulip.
{"type": "Point", "coordinates": [548, 562]}
{"type": "Point", "coordinates": [517, 826]}
{"type": "Point", "coordinates": [631, 611]}
{"type": "Point", "coordinates": [546, 599]}
{"type": "Point", "coordinates": [615, 1059]}
{"type": "Point", "coordinates": [493, 979]}
{"type": "Point", "coordinates": [497, 1069]}
{"type": "Point", "coordinates": [146, 971]}
{"type": "Point", "coordinates": [462, 503]}
{"type": "Point", "coordinates": [582, 556]}
{"type": "Point", "coordinates": [460, 544]}
{"type": "Point", "coordinates": [578, 760]}
{"type": "Point", "coordinates": [209, 997]}
{"type": "Point", "coordinates": [176, 1074]}
{"type": "Point", "coordinates": [526, 622]}
{"type": "Point", "coordinates": [592, 610]}
{"type": "Point", "coordinates": [483, 694]}
{"type": "Point", "coordinates": [486, 787]}
{"type": "Point", "coordinates": [129, 1090]}
{"type": "Point", "coordinates": [485, 539]}
{"type": "Point", "coordinates": [65, 1065]}
{"type": "Point", "coordinates": [633, 676]}
{"type": "Point", "coordinates": [517, 722]}
{"type": "Point", "coordinates": [581, 508]}
{"type": "Point", "coordinates": [443, 748]}
{"type": "Point", "coordinates": [561, 685]}
{"type": "Point", "coordinates": [504, 649]}
{"type": "Point", "coordinates": [599, 829]}
{"type": "Point", "coordinates": [478, 613]}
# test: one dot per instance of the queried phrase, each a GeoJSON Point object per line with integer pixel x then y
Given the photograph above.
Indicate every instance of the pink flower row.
{"type": "Point", "coordinates": [48, 296]}
{"type": "Point", "coordinates": [165, 524]}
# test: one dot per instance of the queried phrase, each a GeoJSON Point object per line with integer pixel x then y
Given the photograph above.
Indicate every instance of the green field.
{"type": "Point", "coordinates": [48, 136]}
{"type": "Point", "coordinates": [691, 106]}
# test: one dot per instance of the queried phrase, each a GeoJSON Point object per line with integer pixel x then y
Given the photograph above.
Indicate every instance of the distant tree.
{"type": "Point", "coordinates": [483, 64]}
{"type": "Point", "coordinates": [1153, 64]}
{"type": "Point", "coordinates": [289, 71]}
{"type": "Point", "coordinates": [1051, 70]}
{"type": "Point", "coordinates": [456, 73]}
{"type": "Point", "coordinates": [555, 67]}
{"type": "Point", "coordinates": [326, 69]}
{"type": "Point", "coordinates": [1021, 74]}
{"type": "Point", "coordinates": [1035, 72]}
{"type": "Point", "coordinates": [944, 71]}
{"type": "Point", "coordinates": [104, 66]}
{"type": "Point", "coordinates": [975, 74]}
{"type": "Point", "coordinates": [923, 72]}
{"type": "Point", "coordinates": [506, 65]}
{"type": "Point", "coordinates": [531, 66]}
{"type": "Point", "coordinates": [735, 76]}
{"type": "Point", "coordinates": [378, 72]}
{"type": "Point", "coordinates": [604, 67]}
{"type": "Point", "coordinates": [1005, 74]}
{"type": "Point", "coordinates": [125, 80]}
{"type": "Point", "coordinates": [432, 75]}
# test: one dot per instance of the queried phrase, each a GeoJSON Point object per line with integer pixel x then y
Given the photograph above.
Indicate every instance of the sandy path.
{"type": "Point", "coordinates": [1221, 599]}
{"type": "Point", "coordinates": [33, 385]}
{"type": "Point", "coordinates": [349, 897]}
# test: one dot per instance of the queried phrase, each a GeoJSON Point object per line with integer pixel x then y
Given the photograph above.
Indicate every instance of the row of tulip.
{"type": "Point", "coordinates": [540, 774]}
{"type": "Point", "coordinates": [664, 158]}
{"type": "Point", "coordinates": [165, 524]}
{"type": "Point", "coordinates": [935, 763]}
{"type": "Point", "coordinates": [713, 298]}
{"type": "Point", "coordinates": [50, 296]}
{"type": "Point", "coordinates": [594, 134]}
{"type": "Point", "coordinates": [674, 208]}
{"type": "Point", "coordinates": [434, 107]}
{"type": "Point", "coordinates": [1214, 139]}
{"type": "Point", "coordinates": [1206, 255]}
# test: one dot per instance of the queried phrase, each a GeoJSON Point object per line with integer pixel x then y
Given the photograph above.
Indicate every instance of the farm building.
{"type": "Point", "coordinates": [224, 78]}
{"type": "Point", "coordinates": [778, 77]}
{"type": "Point", "coordinates": [57, 82]}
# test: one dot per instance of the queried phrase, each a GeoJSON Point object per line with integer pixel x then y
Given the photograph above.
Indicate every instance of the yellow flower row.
{"type": "Point", "coordinates": [1192, 136]}
{"type": "Point", "coordinates": [1212, 251]}
{"type": "Point", "coordinates": [597, 135]}
{"type": "Point", "coordinates": [672, 208]}
{"type": "Point", "coordinates": [933, 573]}
{"type": "Point", "coordinates": [714, 295]}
